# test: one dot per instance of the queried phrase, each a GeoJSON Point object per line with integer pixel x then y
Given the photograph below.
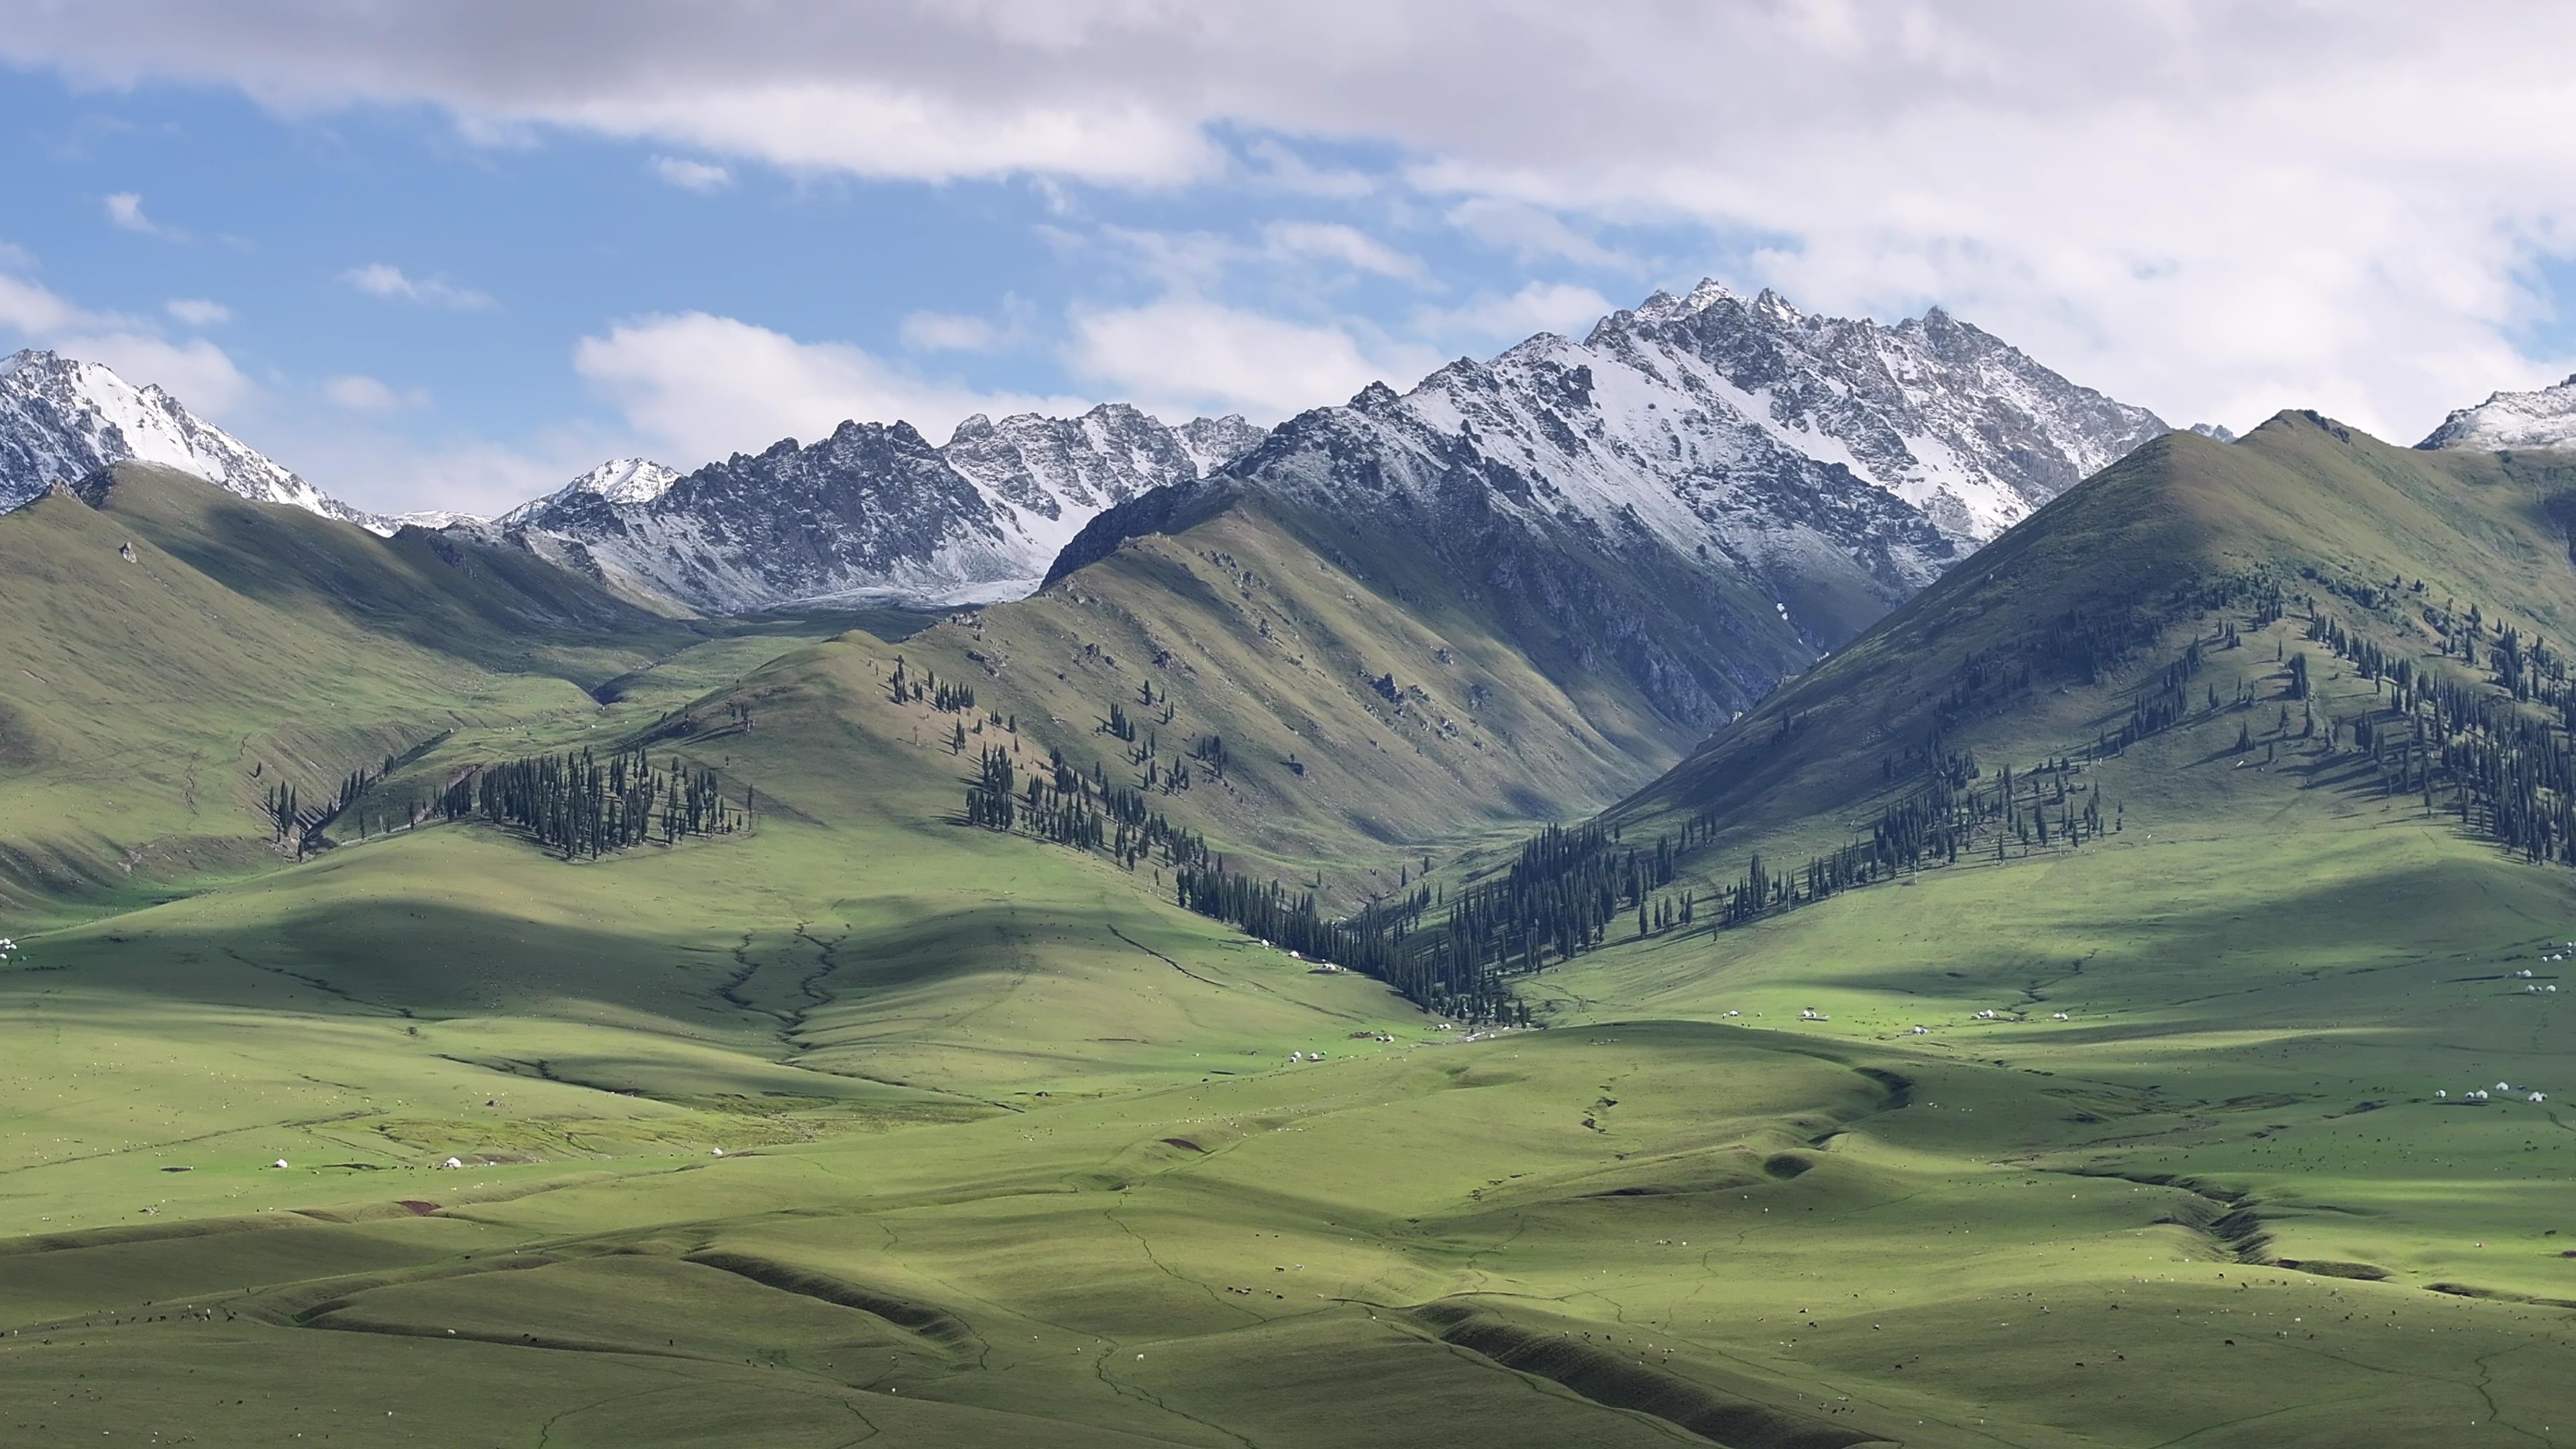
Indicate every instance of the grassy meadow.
{"type": "Point", "coordinates": [894, 1131]}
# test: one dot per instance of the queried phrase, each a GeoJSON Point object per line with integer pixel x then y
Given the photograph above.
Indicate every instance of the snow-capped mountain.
{"type": "Point", "coordinates": [434, 519]}
{"type": "Point", "coordinates": [1734, 431]}
{"type": "Point", "coordinates": [619, 480]}
{"type": "Point", "coordinates": [873, 511]}
{"type": "Point", "coordinates": [62, 419]}
{"type": "Point", "coordinates": [1963, 426]}
{"type": "Point", "coordinates": [2542, 418]}
{"type": "Point", "coordinates": [1737, 432]}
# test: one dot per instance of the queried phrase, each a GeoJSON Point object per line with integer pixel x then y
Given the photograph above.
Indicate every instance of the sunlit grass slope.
{"type": "Point", "coordinates": [1372, 708]}
{"type": "Point", "coordinates": [2302, 501]}
{"type": "Point", "coordinates": [1014, 1152]}
{"type": "Point", "coordinates": [149, 702]}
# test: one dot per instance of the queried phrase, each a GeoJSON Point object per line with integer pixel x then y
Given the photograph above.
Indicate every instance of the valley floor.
{"type": "Point", "coordinates": [1013, 1153]}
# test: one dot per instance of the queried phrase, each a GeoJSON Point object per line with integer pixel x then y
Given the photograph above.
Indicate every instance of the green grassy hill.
{"type": "Point", "coordinates": [153, 700]}
{"type": "Point", "coordinates": [892, 1128]}
{"type": "Point", "coordinates": [2095, 595]}
{"type": "Point", "coordinates": [1370, 711]}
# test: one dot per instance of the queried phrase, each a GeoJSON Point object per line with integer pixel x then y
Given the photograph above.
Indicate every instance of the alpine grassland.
{"type": "Point", "coordinates": [2088, 1061]}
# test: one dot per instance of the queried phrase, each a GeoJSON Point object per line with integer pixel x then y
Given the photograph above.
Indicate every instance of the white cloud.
{"type": "Point", "coordinates": [690, 175]}
{"type": "Point", "coordinates": [1199, 261]}
{"type": "Point", "coordinates": [125, 210]}
{"type": "Point", "coordinates": [2214, 207]}
{"type": "Point", "coordinates": [361, 394]}
{"type": "Point", "coordinates": [197, 372]}
{"type": "Point", "coordinates": [949, 332]}
{"type": "Point", "coordinates": [1334, 243]}
{"type": "Point", "coordinates": [198, 311]}
{"type": "Point", "coordinates": [702, 387]}
{"type": "Point", "coordinates": [33, 312]}
{"type": "Point", "coordinates": [379, 279]}
{"type": "Point", "coordinates": [1530, 233]}
{"type": "Point", "coordinates": [1185, 354]}
{"type": "Point", "coordinates": [1559, 307]}
{"type": "Point", "coordinates": [1277, 167]}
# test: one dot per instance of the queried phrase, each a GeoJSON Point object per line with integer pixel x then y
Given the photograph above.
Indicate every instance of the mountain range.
{"type": "Point", "coordinates": [1840, 463]}
{"type": "Point", "coordinates": [872, 512]}
{"type": "Point", "coordinates": [1581, 886]}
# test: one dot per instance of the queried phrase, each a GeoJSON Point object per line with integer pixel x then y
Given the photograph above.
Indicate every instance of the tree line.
{"type": "Point", "coordinates": [583, 805]}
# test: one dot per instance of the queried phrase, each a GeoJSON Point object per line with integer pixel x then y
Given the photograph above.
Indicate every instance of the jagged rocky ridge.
{"type": "Point", "coordinates": [2542, 418]}
{"type": "Point", "coordinates": [1838, 465]}
{"type": "Point", "coordinates": [1833, 466]}
{"type": "Point", "coordinates": [62, 420]}
{"type": "Point", "coordinates": [872, 511]}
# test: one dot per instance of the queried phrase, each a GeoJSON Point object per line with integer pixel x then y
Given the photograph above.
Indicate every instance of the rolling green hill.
{"type": "Point", "coordinates": [1333, 704]}
{"type": "Point", "coordinates": [2043, 643]}
{"type": "Point", "coordinates": [152, 700]}
{"type": "Point", "coordinates": [895, 1128]}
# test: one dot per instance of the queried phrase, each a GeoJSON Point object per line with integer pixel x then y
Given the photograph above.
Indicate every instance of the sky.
{"type": "Point", "coordinates": [451, 254]}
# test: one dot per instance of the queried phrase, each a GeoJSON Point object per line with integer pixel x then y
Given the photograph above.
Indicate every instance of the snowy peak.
{"type": "Point", "coordinates": [619, 480]}
{"type": "Point", "coordinates": [628, 480]}
{"type": "Point", "coordinates": [1835, 465]}
{"type": "Point", "coordinates": [2542, 418]}
{"type": "Point", "coordinates": [873, 510]}
{"type": "Point", "coordinates": [62, 419]}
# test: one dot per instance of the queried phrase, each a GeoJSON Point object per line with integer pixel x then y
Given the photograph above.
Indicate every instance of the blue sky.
{"type": "Point", "coordinates": [450, 255]}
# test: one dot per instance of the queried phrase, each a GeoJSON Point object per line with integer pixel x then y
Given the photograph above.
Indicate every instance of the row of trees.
{"type": "Point", "coordinates": [2488, 753]}
{"type": "Point", "coordinates": [925, 688]}
{"type": "Point", "coordinates": [580, 804]}
{"type": "Point", "coordinates": [1062, 805]}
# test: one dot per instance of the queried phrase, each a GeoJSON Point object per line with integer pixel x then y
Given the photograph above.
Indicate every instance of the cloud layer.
{"type": "Point", "coordinates": [2212, 207]}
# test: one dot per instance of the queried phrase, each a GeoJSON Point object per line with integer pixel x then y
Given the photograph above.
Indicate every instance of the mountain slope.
{"type": "Point", "coordinates": [174, 651]}
{"type": "Point", "coordinates": [2048, 641]}
{"type": "Point", "coordinates": [62, 420]}
{"type": "Point", "coordinates": [1372, 701]}
{"type": "Point", "coordinates": [872, 512]}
